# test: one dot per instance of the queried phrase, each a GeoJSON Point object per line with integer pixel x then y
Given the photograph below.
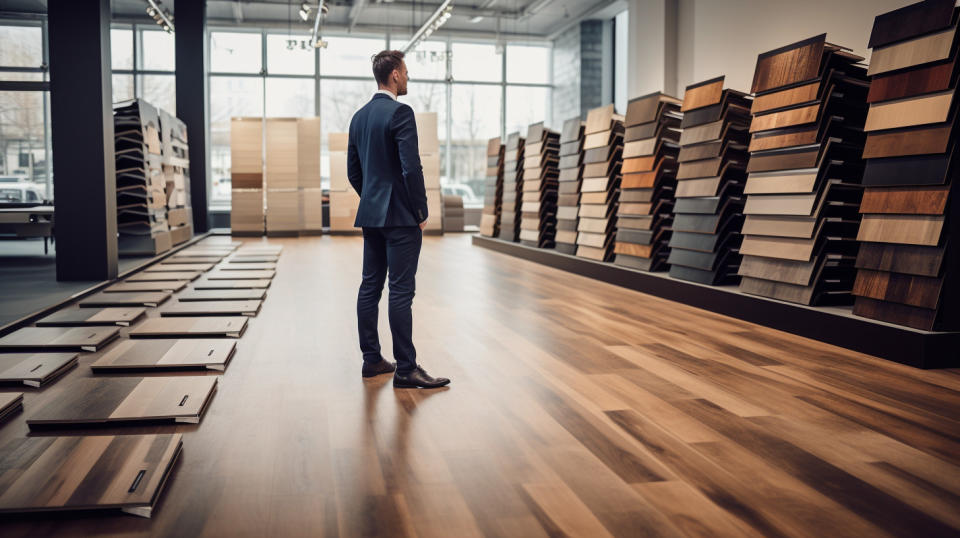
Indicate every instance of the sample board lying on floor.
{"type": "Point", "coordinates": [208, 326]}
{"type": "Point", "coordinates": [212, 308]}
{"type": "Point", "coordinates": [66, 338]}
{"type": "Point", "coordinates": [259, 249]}
{"type": "Point", "coordinates": [162, 276]}
{"type": "Point", "coordinates": [34, 369]}
{"type": "Point", "coordinates": [222, 295]}
{"type": "Point", "coordinates": [10, 403]}
{"type": "Point", "coordinates": [232, 284]}
{"type": "Point", "coordinates": [166, 267]}
{"type": "Point", "coordinates": [241, 275]}
{"type": "Point", "coordinates": [191, 260]}
{"type": "Point", "coordinates": [212, 354]}
{"type": "Point", "coordinates": [252, 266]}
{"type": "Point", "coordinates": [103, 400]}
{"type": "Point", "coordinates": [253, 259]}
{"type": "Point", "coordinates": [129, 298]}
{"type": "Point", "coordinates": [173, 285]}
{"type": "Point", "coordinates": [81, 317]}
{"type": "Point", "coordinates": [125, 472]}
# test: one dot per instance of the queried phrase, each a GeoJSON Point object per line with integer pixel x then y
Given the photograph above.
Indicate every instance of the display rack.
{"type": "Point", "coordinates": [493, 189]}
{"type": "Point", "coordinates": [600, 187]}
{"type": "Point", "coordinates": [538, 225]}
{"type": "Point", "coordinates": [568, 185]}
{"type": "Point", "coordinates": [512, 188]}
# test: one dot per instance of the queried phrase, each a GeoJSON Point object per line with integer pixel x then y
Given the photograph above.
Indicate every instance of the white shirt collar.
{"type": "Point", "coordinates": [387, 92]}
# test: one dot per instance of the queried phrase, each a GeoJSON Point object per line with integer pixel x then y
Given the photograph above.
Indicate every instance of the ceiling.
{"type": "Point", "coordinates": [512, 19]}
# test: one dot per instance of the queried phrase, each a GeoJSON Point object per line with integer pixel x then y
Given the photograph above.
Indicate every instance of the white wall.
{"type": "Point", "coordinates": [724, 37]}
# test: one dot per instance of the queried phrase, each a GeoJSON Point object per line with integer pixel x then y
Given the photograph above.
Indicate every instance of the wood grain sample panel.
{"type": "Point", "coordinates": [784, 98]}
{"type": "Point", "coordinates": [701, 168]}
{"type": "Point", "coordinates": [899, 314]}
{"type": "Point", "coordinates": [223, 295]}
{"type": "Point", "coordinates": [167, 354]}
{"type": "Point", "coordinates": [781, 182]}
{"type": "Point", "coordinates": [34, 369]}
{"type": "Point", "coordinates": [919, 291]}
{"type": "Point", "coordinates": [167, 285]}
{"type": "Point", "coordinates": [912, 20]}
{"type": "Point", "coordinates": [931, 200]}
{"type": "Point", "coordinates": [787, 65]}
{"type": "Point", "coordinates": [904, 229]}
{"type": "Point", "coordinates": [934, 78]}
{"type": "Point", "coordinates": [785, 248]}
{"type": "Point", "coordinates": [82, 317]}
{"type": "Point", "coordinates": [777, 290]}
{"type": "Point", "coordinates": [600, 139]}
{"type": "Point", "coordinates": [781, 204]}
{"type": "Point", "coordinates": [101, 400]}
{"type": "Point", "coordinates": [900, 143]}
{"type": "Point", "coordinates": [787, 118]}
{"type": "Point", "coordinates": [162, 276]}
{"type": "Point", "coordinates": [631, 249]}
{"type": "Point", "coordinates": [123, 472]}
{"type": "Point", "coordinates": [924, 49]}
{"type": "Point", "coordinates": [779, 139]}
{"type": "Point", "coordinates": [130, 298]}
{"type": "Point", "coordinates": [907, 171]}
{"type": "Point", "coordinates": [246, 153]}
{"type": "Point", "coordinates": [190, 260]}
{"type": "Point", "coordinates": [783, 160]}
{"type": "Point", "coordinates": [906, 259]}
{"type": "Point", "coordinates": [908, 112]}
{"type": "Point", "coordinates": [232, 284]}
{"type": "Point", "coordinates": [281, 161]}
{"type": "Point", "coordinates": [780, 226]}
{"type": "Point", "coordinates": [703, 94]}
{"type": "Point", "coordinates": [210, 327]}
{"type": "Point", "coordinates": [702, 133]}
{"type": "Point", "coordinates": [688, 188]}
{"type": "Point", "coordinates": [171, 267]}
{"type": "Point", "coordinates": [700, 151]}
{"type": "Point", "coordinates": [252, 274]}
{"type": "Point", "coordinates": [58, 338]}
{"type": "Point", "coordinates": [638, 164]}
{"type": "Point", "coordinates": [640, 148]}
{"type": "Point", "coordinates": [599, 119]}
{"type": "Point", "coordinates": [788, 271]}
{"type": "Point", "coordinates": [247, 266]}
{"type": "Point", "coordinates": [211, 308]}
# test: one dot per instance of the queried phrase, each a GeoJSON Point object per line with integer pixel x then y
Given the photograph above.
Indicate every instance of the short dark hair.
{"type": "Point", "coordinates": [384, 63]}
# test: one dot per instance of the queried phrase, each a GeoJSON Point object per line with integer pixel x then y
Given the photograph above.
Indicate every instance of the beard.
{"type": "Point", "coordinates": [401, 90]}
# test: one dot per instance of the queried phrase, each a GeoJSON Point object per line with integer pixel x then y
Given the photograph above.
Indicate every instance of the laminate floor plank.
{"type": "Point", "coordinates": [34, 369]}
{"type": "Point", "coordinates": [167, 354]}
{"type": "Point", "coordinates": [199, 326]}
{"type": "Point", "coordinates": [85, 317]}
{"type": "Point", "coordinates": [128, 298]}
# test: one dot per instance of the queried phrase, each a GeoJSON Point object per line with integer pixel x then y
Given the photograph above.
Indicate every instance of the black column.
{"type": "Point", "coordinates": [84, 171]}
{"type": "Point", "coordinates": [190, 22]}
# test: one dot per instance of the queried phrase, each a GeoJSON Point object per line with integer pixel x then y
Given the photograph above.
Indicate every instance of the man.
{"type": "Point", "coordinates": [383, 165]}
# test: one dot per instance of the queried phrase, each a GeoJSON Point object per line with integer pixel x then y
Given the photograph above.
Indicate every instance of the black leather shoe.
{"type": "Point", "coordinates": [377, 368]}
{"type": "Point", "coordinates": [418, 379]}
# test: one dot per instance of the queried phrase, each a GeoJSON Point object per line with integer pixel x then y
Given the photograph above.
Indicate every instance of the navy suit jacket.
{"type": "Point", "coordinates": [383, 165]}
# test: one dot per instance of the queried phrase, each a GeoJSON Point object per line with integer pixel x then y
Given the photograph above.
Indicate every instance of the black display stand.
{"type": "Point", "coordinates": [836, 326]}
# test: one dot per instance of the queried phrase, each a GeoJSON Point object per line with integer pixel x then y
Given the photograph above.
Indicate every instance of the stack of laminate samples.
{"type": "Point", "coordinates": [906, 264]}
{"type": "Point", "coordinates": [649, 182]}
{"type": "Point", "coordinates": [568, 185]}
{"type": "Point", "coordinates": [493, 190]}
{"type": "Point", "coordinates": [803, 186]}
{"type": "Point", "coordinates": [141, 189]}
{"type": "Point", "coordinates": [246, 176]}
{"type": "Point", "coordinates": [176, 174]}
{"type": "Point", "coordinates": [512, 185]}
{"type": "Point", "coordinates": [708, 213]}
{"type": "Point", "coordinates": [538, 224]}
{"type": "Point", "coordinates": [600, 187]}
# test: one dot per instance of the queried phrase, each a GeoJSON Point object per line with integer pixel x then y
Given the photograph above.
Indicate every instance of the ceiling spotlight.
{"type": "Point", "coordinates": [161, 16]}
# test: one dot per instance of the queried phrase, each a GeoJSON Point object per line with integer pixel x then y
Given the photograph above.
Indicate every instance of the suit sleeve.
{"type": "Point", "coordinates": [354, 169]}
{"type": "Point", "coordinates": [404, 127]}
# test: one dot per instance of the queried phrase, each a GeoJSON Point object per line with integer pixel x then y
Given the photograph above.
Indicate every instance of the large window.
{"type": "Point", "coordinates": [476, 118]}
{"type": "Point", "coordinates": [143, 60]}
{"type": "Point", "coordinates": [230, 97]}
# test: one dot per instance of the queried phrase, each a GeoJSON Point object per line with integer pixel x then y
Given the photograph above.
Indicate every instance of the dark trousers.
{"type": "Point", "coordinates": [393, 251]}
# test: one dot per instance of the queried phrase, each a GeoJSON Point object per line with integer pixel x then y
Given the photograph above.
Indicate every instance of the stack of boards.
{"type": "Point", "coordinates": [803, 187]}
{"type": "Point", "coordinates": [512, 189]}
{"type": "Point", "coordinates": [708, 213]}
{"type": "Point", "coordinates": [568, 185]}
{"type": "Point", "coordinates": [647, 189]}
{"type": "Point", "coordinates": [600, 187]}
{"type": "Point", "coordinates": [493, 190]}
{"type": "Point", "coordinates": [538, 224]}
{"type": "Point", "coordinates": [191, 332]}
{"type": "Point", "coordinates": [906, 268]}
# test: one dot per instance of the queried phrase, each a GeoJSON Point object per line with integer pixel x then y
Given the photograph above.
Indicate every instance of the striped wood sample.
{"type": "Point", "coordinates": [130, 298]}
{"type": "Point", "coordinates": [81, 317]}
{"type": "Point", "coordinates": [171, 285]}
{"type": "Point", "coordinates": [10, 403]}
{"type": "Point", "coordinates": [916, 51]}
{"type": "Point", "coordinates": [237, 284]}
{"type": "Point", "coordinates": [904, 229]}
{"type": "Point", "coordinates": [211, 308]}
{"type": "Point", "coordinates": [34, 369]}
{"type": "Point", "coordinates": [167, 354]}
{"type": "Point", "coordinates": [199, 326]}
{"type": "Point", "coordinates": [58, 338]}
{"type": "Point", "coordinates": [222, 295]}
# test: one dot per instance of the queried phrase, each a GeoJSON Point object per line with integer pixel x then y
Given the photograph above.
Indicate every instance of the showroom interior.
{"type": "Point", "coordinates": [688, 266]}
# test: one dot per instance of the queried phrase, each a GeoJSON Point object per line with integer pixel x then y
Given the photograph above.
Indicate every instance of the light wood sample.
{"type": "Point", "coordinates": [129, 298]}
{"type": "Point", "coordinates": [237, 284]}
{"type": "Point", "coordinates": [222, 295]}
{"type": "Point", "coordinates": [916, 51]}
{"type": "Point", "coordinates": [58, 338]}
{"type": "Point", "coordinates": [170, 285]}
{"type": "Point", "coordinates": [904, 229]}
{"type": "Point", "coordinates": [207, 326]}
{"type": "Point", "coordinates": [81, 317]}
{"type": "Point", "coordinates": [173, 267]}
{"type": "Point", "coordinates": [212, 308]}
{"type": "Point", "coordinates": [282, 163]}
{"type": "Point", "coordinates": [911, 111]}
{"type": "Point", "coordinates": [34, 369]}
{"type": "Point", "coordinates": [211, 354]}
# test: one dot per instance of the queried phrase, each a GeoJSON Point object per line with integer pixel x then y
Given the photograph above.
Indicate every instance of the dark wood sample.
{"type": "Point", "coordinates": [784, 160]}
{"type": "Point", "coordinates": [904, 229]}
{"type": "Point", "coordinates": [906, 259]}
{"type": "Point", "coordinates": [200, 326]}
{"type": "Point", "coordinates": [900, 314]}
{"type": "Point", "coordinates": [926, 79]}
{"type": "Point", "coordinates": [919, 291]}
{"type": "Point", "coordinates": [799, 273]}
{"type": "Point", "coordinates": [49, 474]}
{"type": "Point", "coordinates": [205, 260]}
{"type": "Point", "coordinates": [160, 276]}
{"type": "Point", "coordinates": [706, 93]}
{"type": "Point", "coordinates": [644, 109]}
{"type": "Point", "coordinates": [785, 118]}
{"type": "Point", "coordinates": [205, 284]}
{"type": "Point", "coordinates": [131, 298]}
{"type": "Point", "coordinates": [34, 369]}
{"type": "Point", "coordinates": [790, 64]}
{"type": "Point", "coordinates": [167, 354]}
{"type": "Point", "coordinates": [925, 140]}
{"type": "Point", "coordinates": [786, 138]}
{"type": "Point", "coordinates": [172, 285]}
{"type": "Point", "coordinates": [778, 290]}
{"type": "Point", "coordinates": [912, 20]}
{"type": "Point", "coordinates": [929, 200]}
{"type": "Point", "coordinates": [104, 400]}
{"type": "Point", "coordinates": [907, 171]}
{"type": "Point", "coordinates": [58, 338]}
{"type": "Point", "coordinates": [81, 317]}
{"type": "Point", "coordinates": [10, 404]}
{"type": "Point", "coordinates": [913, 52]}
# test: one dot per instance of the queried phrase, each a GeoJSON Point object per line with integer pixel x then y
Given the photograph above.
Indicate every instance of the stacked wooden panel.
{"type": "Point", "coordinates": [803, 186]}
{"type": "Point", "coordinates": [246, 176]}
{"type": "Point", "coordinates": [343, 199]}
{"type": "Point", "coordinates": [649, 181]}
{"type": "Point", "coordinates": [512, 188]}
{"type": "Point", "coordinates": [708, 212]}
{"type": "Point", "coordinates": [600, 187]}
{"type": "Point", "coordinates": [907, 263]}
{"type": "Point", "coordinates": [283, 177]}
{"type": "Point", "coordinates": [493, 190]}
{"type": "Point", "coordinates": [538, 225]}
{"type": "Point", "coordinates": [308, 170]}
{"type": "Point", "coordinates": [429, 144]}
{"type": "Point", "coordinates": [568, 185]}
{"type": "Point", "coordinates": [142, 227]}
{"type": "Point", "coordinates": [176, 174]}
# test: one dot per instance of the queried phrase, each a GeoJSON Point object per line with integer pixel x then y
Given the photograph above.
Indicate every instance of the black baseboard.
{"type": "Point", "coordinates": [834, 325]}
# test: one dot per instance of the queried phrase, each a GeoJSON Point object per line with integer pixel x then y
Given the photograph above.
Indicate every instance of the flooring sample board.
{"type": "Point", "coordinates": [259, 248]}
{"type": "Point", "coordinates": [34, 369]}
{"type": "Point", "coordinates": [195, 327]}
{"type": "Point", "coordinates": [82, 317]}
{"type": "Point", "coordinates": [212, 308]}
{"type": "Point", "coordinates": [906, 259]}
{"type": "Point", "coordinates": [919, 291]}
{"type": "Point", "coordinates": [190, 260]}
{"type": "Point", "coordinates": [913, 52]}
{"type": "Point", "coordinates": [232, 284]}
{"type": "Point", "coordinates": [799, 273]}
{"type": "Point", "coordinates": [106, 400]}
{"type": "Point", "coordinates": [167, 354]}
{"type": "Point", "coordinates": [930, 200]}
{"type": "Point", "coordinates": [788, 65]}
{"type": "Point", "coordinates": [924, 140]}
{"type": "Point", "coordinates": [130, 298]}
{"type": "Point", "coordinates": [706, 93]}
{"type": "Point", "coordinates": [10, 403]}
{"type": "Point", "coordinates": [281, 154]}
{"type": "Point", "coordinates": [252, 266]}
{"type": "Point", "coordinates": [172, 285]}
{"type": "Point", "coordinates": [58, 338]}
{"type": "Point", "coordinates": [899, 314]}
{"type": "Point", "coordinates": [912, 20]}
{"type": "Point", "coordinates": [173, 267]}
{"type": "Point", "coordinates": [162, 276]}
{"type": "Point", "coordinates": [903, 229]}
{"type": "Point", "coordinates": [196, 252]}
{"type": "Point", "coordinates": [252, 274]}
{"type": "Point", "coordinates": [805, 93]}
{"type": "Point", "coordinates": [253, 259]}
{"type": "Point", "coordinates": [222, 295]}
{"type": "Point", "coordinates": [931, 79]}
{"type": "Point", "coordinates": [908, 112]}
{"type": "Point", "coordinates": [903, 171]}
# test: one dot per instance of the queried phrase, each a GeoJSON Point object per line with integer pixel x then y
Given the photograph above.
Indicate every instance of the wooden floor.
{"type": "Point", "coordinates": [576, 408]}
